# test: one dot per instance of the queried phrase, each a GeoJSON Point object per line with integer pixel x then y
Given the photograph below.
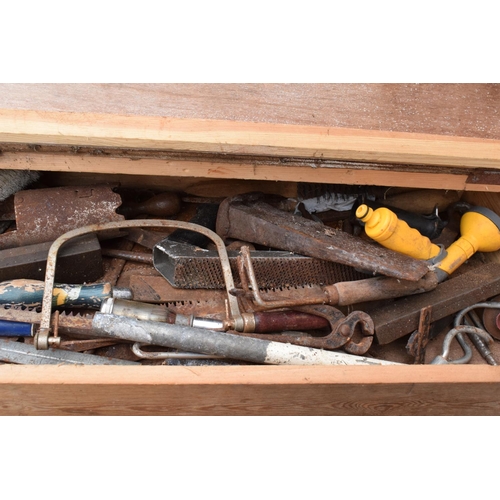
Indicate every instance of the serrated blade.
{"type": "Point", "coordinates": [69, 323]}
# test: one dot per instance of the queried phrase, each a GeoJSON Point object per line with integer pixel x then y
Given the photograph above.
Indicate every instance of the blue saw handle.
{"type": "Point", "coordinates": [15, 329]}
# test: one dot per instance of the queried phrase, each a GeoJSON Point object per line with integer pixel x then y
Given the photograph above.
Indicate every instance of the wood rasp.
{"type": "Point", "coordinates": [182, 258]}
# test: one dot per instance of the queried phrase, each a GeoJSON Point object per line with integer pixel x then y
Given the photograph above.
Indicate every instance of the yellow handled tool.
{"type": "Point", "coordinates": [479, 230]}
{"type": "Point", "coordinates": [383, 226]}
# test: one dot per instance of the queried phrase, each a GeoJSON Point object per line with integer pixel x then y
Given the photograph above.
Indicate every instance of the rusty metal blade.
{"type": "Point", "coordinates": [157, 290]}
{"type": "Point", "coordinates": [72, 324]}
{"type": "Point", "coordinates": [248, 219]}
{"type": "Point", "coordinates": [82, 345]}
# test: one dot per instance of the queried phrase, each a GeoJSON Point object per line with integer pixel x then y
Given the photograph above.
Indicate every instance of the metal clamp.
{"type": "Point", "coordinates": [43, 338]}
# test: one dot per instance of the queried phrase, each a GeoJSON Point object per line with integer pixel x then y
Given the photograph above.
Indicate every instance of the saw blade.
{"type": "Point", "coordinates": [69, 323]}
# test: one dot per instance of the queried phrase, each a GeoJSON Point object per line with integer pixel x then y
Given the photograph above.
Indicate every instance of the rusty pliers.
{"type": "Point", "coordinates": [343, 330]}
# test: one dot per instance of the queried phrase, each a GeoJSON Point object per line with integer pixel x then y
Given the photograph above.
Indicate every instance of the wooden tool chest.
{"type": "Point", "coordinates": [226, 139]}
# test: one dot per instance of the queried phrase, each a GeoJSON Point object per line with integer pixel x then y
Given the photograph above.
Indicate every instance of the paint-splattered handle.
{"type": "Point", "coordinates": [30, 293]}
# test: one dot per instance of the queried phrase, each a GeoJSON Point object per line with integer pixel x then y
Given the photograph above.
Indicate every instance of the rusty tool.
{"type": "Point", "coordinates": [43, 215]}
{"type": "Point", "coordinates": [339, 294]}
{"type": "Point", "coordinates": [80, 261]}
{"type": "Point", "coordinates": [68, 323]}
{"type": "Point", "coordinates": [43, 337]}
{"type": "Point", "coordinates": [401, 317]}
{"type": "Point", "coordinates": [182, 258]}
{"type": "Point", "coordinates": [420, 338]}
{"type": "Point", "coordinates": [342, 331]}
{"type": "Point", "coordinates": [248, 218]}
{"type": "Point", "coordinates": [201, 302]}
{"type": "Point", "coordinates": [187, 266]}
{"type": "Point", "coordinates": [260, 322]}
{"type": "Point", "coordinates": [157, 290]}
{"type": "Point", "coordinates": [189, 339]}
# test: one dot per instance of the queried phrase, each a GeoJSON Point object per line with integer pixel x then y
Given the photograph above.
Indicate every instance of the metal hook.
{"type": "Point", "coordinates": [136, 349]}
{"type": "Point", "coordinates": [457, 332]}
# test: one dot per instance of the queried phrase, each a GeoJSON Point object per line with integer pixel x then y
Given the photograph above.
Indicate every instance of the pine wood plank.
{"type": "Point", "coordinates": [224, 170]}
{"type": "Point", "coordinates": [218, 136]}
{"type": "Point", "coordinates": [254, 390]}
{"type": "Point", "coordinates": [469, 110]}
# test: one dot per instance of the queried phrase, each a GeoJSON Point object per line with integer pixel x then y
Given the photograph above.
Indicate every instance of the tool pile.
{"type": "Point", "coordinates": [101, 274]}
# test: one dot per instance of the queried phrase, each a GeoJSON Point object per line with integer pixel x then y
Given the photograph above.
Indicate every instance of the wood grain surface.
{"type": "Point", "coordinates": [441, 110]}
{"type": "Point", "coordinates": [245, 138]}
{"type": "Point", "coordinates": [468, 110]}
{"type": "Point", "coordinates": [238, 170]}
{"type": "Point", "coordinates": [254, 390]}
